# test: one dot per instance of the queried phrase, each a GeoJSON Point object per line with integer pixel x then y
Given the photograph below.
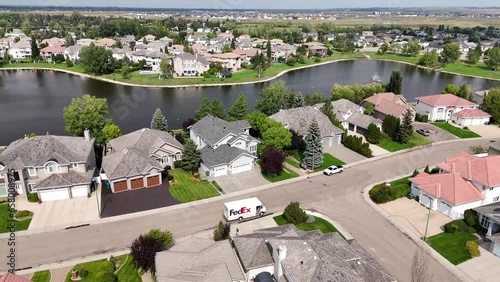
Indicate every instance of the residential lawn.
{"type": "Point", "coordinates": [93, 267]}
{"type": "Point", "coordinates": [75, 68]}
{"type": "Point", "coordinates": [318, 224]}
{"type": "Point", "coordinates": [403, 180]}
{"type": "Point", "coordinates": [457, 131]}
{"type": "Point", "coordinates": [187, 190]}
{"type": "Point", "coordinates": [329, 160]}
{"type": "Point", "coordinates": [394, 57]}
{"type": "Point", "coordinates": [128, 272]}
{"type": "Point", "coordinates": [41, 276]}
{"type": "Point", "coordinates": [5, 220]}
{"type": "Point", "coordinates": [292, 162]}
{"type": "Point", "coordinates": [285, 174]}
{"type": "Point", "coordinates": [392, 146]}
{"type": "Point", "coordinates": [452, 246]}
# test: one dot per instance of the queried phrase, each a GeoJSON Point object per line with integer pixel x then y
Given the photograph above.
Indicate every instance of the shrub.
{"type": "Point", "coordinates": [425, 118]}
{"type": "Point", "coordinates": [473, 249]}
{"type": "Point", "coordinates": [415, 173]}
{"type": "Point", "coordinates": [470, 217]}
{"type": "Point", "coordinates": [222, 231]}
{"type": "Point", "coordinates": [177, 164]}
{"type": "Point", "coordinates": [380, 193]}
{"type": "Point", "coordinates": [356, 144]}
{"type": "Point", "coordinates": [21, 214]}
{"type": "Point", "coordinates": [82, 273]}
{"type": "Point", "coordinates": [399, 191]}
{"type": "Point", "coordinates": [164, 238]}
{"type": "Point", "coordinates": [170, 177]}
{"type": "Point", "coordinates": [105, 276]}
{"type": "Point", "coordinates": [294, 214]}
{"type": "Point", "coordinates": [458, 226]}
{"type": "Point", "coordinates": [216, 185]}
{"type": "Point", "coordinates": [33, 197]}
{"type": "Point", "coordinates": [435, 170]}
{"type": "Point", "coordinates": [317, 60]}
{"type": "Point", "coordinates": [427, 170]}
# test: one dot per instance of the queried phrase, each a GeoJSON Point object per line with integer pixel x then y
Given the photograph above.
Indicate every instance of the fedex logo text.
{"type": "Point", "coordinates": [241, 211]}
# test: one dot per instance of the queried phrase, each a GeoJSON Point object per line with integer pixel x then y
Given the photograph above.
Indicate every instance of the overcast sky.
{"type": "Point", "coordinates": [254, 4]}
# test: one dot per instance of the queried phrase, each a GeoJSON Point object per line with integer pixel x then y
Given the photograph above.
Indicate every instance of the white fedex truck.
{"type": "Point", "coordinates": [243, 209]}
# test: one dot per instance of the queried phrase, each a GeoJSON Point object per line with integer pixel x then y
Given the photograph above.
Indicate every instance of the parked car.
{"type": "Point", "coordinates": [333, 170]}
{"type": "Point", "coordinates": [424, 132]}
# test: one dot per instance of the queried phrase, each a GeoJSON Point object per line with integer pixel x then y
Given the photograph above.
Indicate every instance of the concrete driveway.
{"type": "Point", "coordinates": [65, 213]}
{"type": "Point", "coordinates": [488, 131]}
{"type": "Point", "coordinates": [483, 268]}
{"type": "Point", "coordinates": [413, 215]}
{"type": "Point", "coordinates": [437, 134]}
{"type": "Point", "coordinates": [241, 181]}
{"type": "Point", "coordinates": [344, 154]}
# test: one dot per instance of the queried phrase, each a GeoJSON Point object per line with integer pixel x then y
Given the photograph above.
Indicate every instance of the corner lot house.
{"type": "Point", "coordinates": [198, 259]}
{"type": "Point", "coordinates": [137, 160]}
{"type": "Point", "coordinates": [489, 218]}
{"type": "Point", "coordinates": [54, 167]}
{"type": "Point", "coordinates": [448, 107]}
{"type": "Point", "coordinates": [300, 119]}
{"type": "Point", "coordinates": [466, 182]}
{"type": "Point", "coordinates": [290, 254]}
{"type": "Point", "coordinates": [226, 147]}
{"type": "Point", "coordinates": [389, 104]}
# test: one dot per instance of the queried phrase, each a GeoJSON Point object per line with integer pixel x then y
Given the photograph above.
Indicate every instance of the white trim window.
{"type": "Point", "coordinates": [31, 171]}
{"type": "Point", "coordinates": [52, 167]}
{"type": "Point", "coordinates": [30, 187]}
{"type": "Point", "coordinates": [253, 148]}
{"type": "Point", "coordinates": [75, 165]}
{"type": "Point", "coordinates": [496, 199]}
{"type": "Point", "coordinates": [485, 222]}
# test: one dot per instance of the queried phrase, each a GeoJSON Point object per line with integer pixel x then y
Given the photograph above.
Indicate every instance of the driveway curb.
{"type": "Point", "coordinates": [411, 235]}
{"type": "Point", "coordinates": [247, 192]}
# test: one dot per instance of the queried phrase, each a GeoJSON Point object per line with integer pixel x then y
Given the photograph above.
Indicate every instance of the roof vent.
{"type": "Point", "coordinates": [124, 151]}
{"type": "Point", "coordinates": [301, 262]}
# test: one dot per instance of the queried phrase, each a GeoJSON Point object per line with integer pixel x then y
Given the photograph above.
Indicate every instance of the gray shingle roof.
{"type": "Point", "coordinates": [310, 256]}
{"type": "Point", "coordinates": [213, 129]}
{"type": "Point", "coordinates": [36, 151]}
{"type": "Point", "coordinates": [224, 154]}
{"type": "Point", "coordinates": [198, 259]}
{"type": "Point", "coordinates": [362, 120]}
{"type": "Point", "coordinates": [491, 211]}
{"type": "Point", "coordinates": [299, 120]}
{"type": "Point", "coordinates": [495, 146]}
{"type": "Point", "coordinates": [144, 140]}
{"type": "Point", "coordinates": [71, 178]}
{"type": "Point", "coordinates": [127, 163]}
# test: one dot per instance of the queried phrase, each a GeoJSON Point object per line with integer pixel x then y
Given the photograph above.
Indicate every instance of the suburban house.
{"type": "Point", "coordinates": [153, 61]}
{"type": "Point", "coordinates": [127, 39]}
{"type": "Point", "coordinates": [489, 218]}
{"type": "Point", "coordinates": [137, 160]}
{"type": "Point", "coordinates": [289, 254]}
{"type": "Point", "coordinates": [107, 43]}
{"type": "Point", "coordinates": [352, 116]}
{"type": "Point", "coordinates": [73, 52]}
{"type": "Point", "coordinates": [21, 49]}
{"type": "Point", "coordinates": [479, 96]}
{"type": "Point", "coordinates": [148, 38]}
{"type": "Point", "coordinates": [85, 41]}
{"type": "Point", "coordinates": [54, 167]}
{"type": "Point", "coordinates": [176, 49]}
{"type": "Point", "coordinates": [199, 259]}
{"type": "Point", "coordinates": [300, 119]}
{"type": "Point", "coordinates": [389, 104]}
{"type": "Point", "coordinates": [449, 107]}
{"type": "Point", "coordinates": [47, 52]}
{"type": "Point", "coordinates": [465, 182]}
{"type": "Point", "coordinates": [230, 61]}
{"type": "Point", "coordinates": [494, 148]}
{"type": "Point", "coordinates": [226, 147]}
{"type": "Point", "coordinates": [11, 277]}
{"type": "Point", "coordinates": [282, 51]}
{"type": "Point", "coordinates": [54, 41]}
{"type": "Point", "coordinates": [187, 64]}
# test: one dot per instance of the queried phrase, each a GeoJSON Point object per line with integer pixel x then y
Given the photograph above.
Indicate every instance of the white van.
{"type": "Point", "coordinates": [243, 209]}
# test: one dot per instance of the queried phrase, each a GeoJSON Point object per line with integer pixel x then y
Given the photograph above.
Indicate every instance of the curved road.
{"type": "Point", "coordinates": [339, 197]}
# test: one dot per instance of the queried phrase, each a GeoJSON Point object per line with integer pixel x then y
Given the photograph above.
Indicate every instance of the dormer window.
{"type": "Point", "coordinates": [74, 166]}
{"type": "Point", "coordinates": [31, 171]}
{"type": "Point", "coordinates": [52, 167]}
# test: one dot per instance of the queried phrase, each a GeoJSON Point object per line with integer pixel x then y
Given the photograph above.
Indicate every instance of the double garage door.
{"type": "Point", "coordinates": [241, 167]}
{"type": "Point", "coordinates": [54, 195]}
{"type": "Point", "coordinates": [138, 183]}
{"type": "Point", "coordinates": [426, 201]}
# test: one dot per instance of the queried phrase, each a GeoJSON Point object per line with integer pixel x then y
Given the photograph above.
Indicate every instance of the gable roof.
{"type": "Point", "coordinates": [127, 163]}
{"type": "Point", "coordinates": [377, 98]}
{"type": "Point", "coordinates": [223, 155]}
{"type": "Point", "coordinates": [449, 186]}
{"type": "Point", "coordinates": [213, 129]}
{"type": "Point", "coordinates": [36, 151]}
{"type": "Point", "coordinates": [362, 120]}
{"type": "Point", "coordinates": [471, 113]}
{"type": "Point", "coordinates": [485, 170]}
{"type": "Point", "coordinates": [198, 259]}
{"type": "Point", "coordinates": [310, 256]}
{"type": "Point", "coordinates": [145, 140]}
{"type": "Point", "coordinates": [445, 100]}
{"type": "Point", "coordinates": [70, 178]}
{"type": "Point", "coordinates": [299, 120]}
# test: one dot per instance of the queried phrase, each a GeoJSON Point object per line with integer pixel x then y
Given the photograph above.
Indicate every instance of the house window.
{"type": "Point", "coordinates": [440, 110]}
{"type": "Point", "coordinates": [253, 148]}
{"type": "Point", "coordinates": [485, 222]}
{"type": "Point", "coordinates": [52, 167]}
{"type": "Point", "coordinates": [496, 199]}
{"type": "Point", "coordinates": [74, 165]}
{"type": "Point", "coordinates": [238, 144]}
{"type": "Point", "coordinates": [31, 171]}
{"type": "Point", "coordinates": [30, 187]}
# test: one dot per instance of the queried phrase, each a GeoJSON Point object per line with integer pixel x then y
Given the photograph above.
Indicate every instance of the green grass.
{"type": "Point", "coordinates": [284, 175]}
{"type": "Point", "coordinates": [403, 180]}
{"type": "Point", "coordinates": [5, 220]}
{"type": "Point", "coordinates": [75, 68]}
{"type": "Point", "coordinates": [329, 160]}
{"type": "Point", "coordinates": [93, 267]}
{"type": "Point", "coordinates": [394, 57]}
{"type": "Point", "coordinates": [187, 190]}
{"type": "Point", "coordinates": [457, 131]}
{"type": "Point", "coordinates": [452, 246]}
{"type": "Point", "coordinates": [41, 276]}
{"type": "Point", "coordinates": [292, 162]}
{"type": "Point", "coordinates": [128, 272]}
{"type": "Point", "coordinates": [415, 140]}
{"type": "Point", "coordinates": [318, 224]}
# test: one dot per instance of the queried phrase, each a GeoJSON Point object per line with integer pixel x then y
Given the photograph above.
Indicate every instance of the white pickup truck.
{"type": "Point", "coordinates": [333, 170]}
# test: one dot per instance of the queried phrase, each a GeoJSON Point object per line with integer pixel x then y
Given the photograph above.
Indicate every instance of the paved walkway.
{"type": "Point", "coordinates": [294, 169]}
{"type": "Point", "coordinates": [59, 274]}
{"type": "Point", "coordinates": [484, 268]}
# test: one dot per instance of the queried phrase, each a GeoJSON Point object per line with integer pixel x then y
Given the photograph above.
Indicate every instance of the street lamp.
{"type": "Point", "coordinates": [427, 224]}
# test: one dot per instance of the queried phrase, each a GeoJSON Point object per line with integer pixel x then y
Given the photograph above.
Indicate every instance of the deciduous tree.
{"type": "Point", "coordinates": [313, 99]}
{"type": "Point", "coordinates": [222, 231]}
{"type": "Point", "coordinates": [328, 110]}
{"type": "Point", "coordinates": [429, 59]}
{"type": "Point", "coordinates": [166, 69]}
{"type": "Point", "coordinates": [145, 247]}
{"type": "Point", "coordinates": [273, 98]}
{"type": "Point", "coordinates": [313, 155]}
{"type": "Point", "coordinates": [451, 53]}
{"type": "Point", "coordinates": [294, 214]}
{"type": "Point", "coordinates": [110, 132]}
{"type": "Point", "coordinates": [97, 60]}
{"type": "Point", "coordinates": [493, 59]}
{"type": "Point", "coordinates": [272, 161]}
{"type": "Point", "coordinates": [491, 104]}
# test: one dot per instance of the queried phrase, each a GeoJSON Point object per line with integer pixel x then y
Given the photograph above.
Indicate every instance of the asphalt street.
{"type": "Point", "coordinates": [338, 197]}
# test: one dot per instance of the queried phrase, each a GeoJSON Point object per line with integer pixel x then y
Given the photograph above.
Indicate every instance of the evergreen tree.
{"type": "Point", "coordinates": [35, 51]}
{"type": "Point", "coordinates": [239, 109]}
{"type": "Point", "coordinates": [295, 99]}
{"type": "Point", "coordinates": [218, 109]}
{"type": "Point", "coordinates": [391, 126]}
{"type": "Point", "coordinates": [373, 134]}
{"type": "Point", "coordinates": [327, 110]}
{"type": "Point", "coordinates": [204, 110]}
{"type": "Point", "coordinates": [233, 44]}
{"type": "Point", "coordinates": [405, 131]}
{"type": "Point", "coordinates": [395, 83]}
{"type": "Point", "coordinates": [427, 169]}
{"type": "Point", "coordinates": [268, 50]}
{"type": "Point", "coordinates": [369, 109]}
{"type": "Point", "coordinates": [158, 122]}
{"type": "Point", "coordinates": [313, 155]}
{"type": "Point", "coordinates": [191, 157]}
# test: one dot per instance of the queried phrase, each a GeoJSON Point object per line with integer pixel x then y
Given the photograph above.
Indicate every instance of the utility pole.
{"type": "Point", "coordinates": [427, 224]}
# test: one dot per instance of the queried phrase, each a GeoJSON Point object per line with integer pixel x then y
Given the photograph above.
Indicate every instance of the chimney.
{"type": "Point", "coordinates": [86, 133]}
{"type": "Point", "coordinates": [279, 256]}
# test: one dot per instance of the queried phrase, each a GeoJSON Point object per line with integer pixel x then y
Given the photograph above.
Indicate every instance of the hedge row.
{"type": "Point", "coordinates": [382, 193]}
{"type": "Point", "coordinates": [457, 226]}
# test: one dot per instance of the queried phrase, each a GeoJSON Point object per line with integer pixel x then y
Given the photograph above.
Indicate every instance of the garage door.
{"type": "Point", "coordinates": [54, 195]}
{"type": "Point", "coordinates": [79, 191]}
{"type": "Point", "coordinates": [137, 183]}
{"type": "Point", "coordinates": [444, 208]}
{"type": "Point", "coordinates": [120, 186]}
{"type": "Point", "coordinates": [153, 180]}
{"type": "Point", "coordinates": [219, 171]}
{"type": "Point", "coordinates": [426, 201]}
{"type": "Point", "coordinates": [327, 142]}
{"type": "Point", "coordinates": [242, 167]}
